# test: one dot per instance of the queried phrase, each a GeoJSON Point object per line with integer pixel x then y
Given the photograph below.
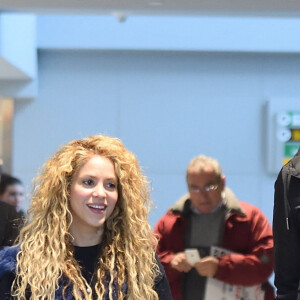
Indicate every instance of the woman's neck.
{"type": "Point", "coordinates": [86, 238]}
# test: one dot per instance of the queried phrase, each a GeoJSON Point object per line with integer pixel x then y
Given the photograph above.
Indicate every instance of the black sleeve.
{"type": "Point", "coordinates": [5, 286]}
{"type": "Point", "coordinates": [286, 241]}
{"type": "Point", "coordinates": [13, 227]}
{"type": "Point", "coordinates": [162, 285]}
{"type": "Point", "coordinates": [10, 224]}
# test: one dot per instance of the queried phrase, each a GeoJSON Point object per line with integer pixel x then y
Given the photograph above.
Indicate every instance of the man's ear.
{"type": "Point", "coordinates": [223, 182]}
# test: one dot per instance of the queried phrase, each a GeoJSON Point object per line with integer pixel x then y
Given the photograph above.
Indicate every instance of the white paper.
{"type": "Point", "coordinates": [219, 290]}
{"type": "Point", "coordinates": [192, 255]}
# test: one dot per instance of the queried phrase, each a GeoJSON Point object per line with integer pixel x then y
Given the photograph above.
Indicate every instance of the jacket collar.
{"type": "Point", "coordinates": [294, 166]}
{"type": "Point", "coordinates": [230, 201]}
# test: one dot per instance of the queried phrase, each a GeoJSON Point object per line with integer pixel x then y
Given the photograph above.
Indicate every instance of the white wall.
{"type": "Point", "coordinates": [181, 33]}
{"type": "Point", "coordinates": [167, 107]}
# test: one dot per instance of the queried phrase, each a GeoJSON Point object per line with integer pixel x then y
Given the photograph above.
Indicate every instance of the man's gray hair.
{"type": "Point", "coordinates": [202, 161]}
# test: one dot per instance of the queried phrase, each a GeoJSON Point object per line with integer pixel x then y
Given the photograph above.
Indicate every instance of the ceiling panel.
{"type": "Point", "coordinates": [285, 8]}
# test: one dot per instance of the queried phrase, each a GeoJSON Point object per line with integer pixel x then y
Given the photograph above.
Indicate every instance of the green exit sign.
{"type": "Point", "coordinates": [290, 149]}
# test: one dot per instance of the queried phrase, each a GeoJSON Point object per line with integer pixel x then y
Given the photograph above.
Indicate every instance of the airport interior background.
{"type": "Point", "coordinates": [170, 87]}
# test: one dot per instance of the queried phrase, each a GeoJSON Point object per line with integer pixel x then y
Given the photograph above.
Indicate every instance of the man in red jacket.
{"type": "Point", "coordinates": [211, 215]}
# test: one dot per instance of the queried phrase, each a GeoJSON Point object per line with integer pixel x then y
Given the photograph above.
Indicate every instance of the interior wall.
{"type": "Point", "coordinates": [167, 107]}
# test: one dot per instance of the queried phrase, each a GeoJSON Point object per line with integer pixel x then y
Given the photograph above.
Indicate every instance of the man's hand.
{"type": "Point", "coordinates": [207, 266]}
{"type": "Point", "coordinates": [180, 263]}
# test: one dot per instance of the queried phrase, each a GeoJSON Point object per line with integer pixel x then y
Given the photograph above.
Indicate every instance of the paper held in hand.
{"type": "Point", "coordinates": [218, 290]}
{"type": "Point", "coordinates": [192, 255]}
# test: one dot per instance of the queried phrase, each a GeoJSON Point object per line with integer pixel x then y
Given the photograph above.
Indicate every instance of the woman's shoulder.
{"type": "Point", "coordinates": [8, 259]}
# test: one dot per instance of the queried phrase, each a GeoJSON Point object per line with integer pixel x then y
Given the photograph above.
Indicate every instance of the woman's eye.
{"type": "Point", "coordinates": [111, 185]}
{"type": "Point", "coordinates": [88, 182]}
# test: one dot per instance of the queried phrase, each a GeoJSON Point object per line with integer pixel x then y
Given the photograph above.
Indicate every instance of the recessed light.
{"type": "Point", "coordinates": [156, 3]}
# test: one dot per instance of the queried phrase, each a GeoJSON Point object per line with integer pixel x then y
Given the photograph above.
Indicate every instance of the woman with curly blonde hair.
{"type": "Point", "coordinates": [87, 234]}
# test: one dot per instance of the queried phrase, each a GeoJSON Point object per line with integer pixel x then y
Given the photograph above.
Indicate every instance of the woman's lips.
{"type": "Point", "coordinates": [97, 208]}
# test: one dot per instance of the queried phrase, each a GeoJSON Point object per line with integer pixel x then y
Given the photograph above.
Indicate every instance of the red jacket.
{"type": "Point", "coordinates": [247, 232]}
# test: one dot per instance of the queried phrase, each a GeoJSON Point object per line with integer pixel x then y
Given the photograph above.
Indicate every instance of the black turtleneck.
{"type": "Point", "coordinates": [87, 258]}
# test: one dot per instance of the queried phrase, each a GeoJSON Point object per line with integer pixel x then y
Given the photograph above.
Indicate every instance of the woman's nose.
{"type": "Point", "coordinates": [99, 191]}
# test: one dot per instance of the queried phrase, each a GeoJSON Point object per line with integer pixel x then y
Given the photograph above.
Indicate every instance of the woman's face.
{"type": "Point", "coordinates": [13, 195]}
{"type": "Point", "coordinates": [93, 195]}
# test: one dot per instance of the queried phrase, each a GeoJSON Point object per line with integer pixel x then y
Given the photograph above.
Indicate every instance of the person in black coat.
{"type": "Point", "coordinates": [286, 229]}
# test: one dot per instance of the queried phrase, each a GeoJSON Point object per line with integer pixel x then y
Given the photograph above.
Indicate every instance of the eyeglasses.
{"type": "Point", "coordinates": [207, 188]}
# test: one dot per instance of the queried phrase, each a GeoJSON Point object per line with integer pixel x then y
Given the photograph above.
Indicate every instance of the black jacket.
{"type": "Point", "coordinates": [286, 228]}
{"type": "Point", "coordinates": [10, 223]}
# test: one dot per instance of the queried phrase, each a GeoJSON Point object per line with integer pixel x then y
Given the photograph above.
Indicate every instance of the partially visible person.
{"type": "Point", "coordinates": [87, 235]}
{"type": "Point", "coordinates": [12, 191]}
{"type": "Point", "coordinates": [211, 215]}
{"type": "Point", "coordinates": [9, 224]}
{"type": "Point", "coordinates": [286, 228]}
{"type": "Point", "coordinates": [10, 221]}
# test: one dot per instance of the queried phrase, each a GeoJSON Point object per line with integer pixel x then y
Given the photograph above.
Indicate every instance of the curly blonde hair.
{"type": "Point", "coordinates": [46, 250]}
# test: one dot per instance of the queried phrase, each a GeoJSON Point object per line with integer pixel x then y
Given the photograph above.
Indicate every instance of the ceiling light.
{"type": "Point", "coordinates": [155, 3]}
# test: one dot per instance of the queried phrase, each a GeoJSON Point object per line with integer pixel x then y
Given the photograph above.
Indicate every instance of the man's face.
{"type": "Point", "coordinates": [205, 189]}
{"type": "Point", "coordinates": [14, 195]}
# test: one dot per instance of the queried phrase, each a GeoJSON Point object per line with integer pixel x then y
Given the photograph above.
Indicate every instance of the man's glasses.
{"type": "Point", "coordinates": [207, 188]}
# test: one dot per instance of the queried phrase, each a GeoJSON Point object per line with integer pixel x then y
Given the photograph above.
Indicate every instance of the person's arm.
{"type": "Point", "coordinates": [255, 265]}
{"type": "Point", "coordinates": [165, 250]}
{"type": "Point", "coordinates": [14, 224]}
{"type": "Point", "coordinates": [9, 225]}
{"type": "Point", "coordinates": [5, 286]}
{"type": "Point", "coordinates": [287, 242]}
